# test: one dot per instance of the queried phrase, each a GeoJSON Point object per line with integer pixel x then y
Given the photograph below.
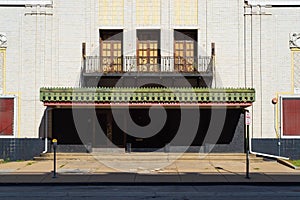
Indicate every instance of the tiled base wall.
{"type": "Point", "coordinates": [12, 149]}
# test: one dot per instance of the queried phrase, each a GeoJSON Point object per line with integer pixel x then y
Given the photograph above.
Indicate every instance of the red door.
{"type": "Point", "coordinates": [291, 116]}
{"type": "Point", "coordinates": [6, 116]}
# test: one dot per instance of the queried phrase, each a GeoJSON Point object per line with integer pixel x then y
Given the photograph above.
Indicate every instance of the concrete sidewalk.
{"type": "Point", "coordinates": [146, 168]}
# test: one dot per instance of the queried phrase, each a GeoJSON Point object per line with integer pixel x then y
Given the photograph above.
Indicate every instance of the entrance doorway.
{"type": "Point", "coordinates": [111, 48]}
{"type": "Point", "coordinates": [185, 50]}
{"type": "Point", "coordinates": [100, 129]}
{"type": "Point", "coordinates": [148, 50]}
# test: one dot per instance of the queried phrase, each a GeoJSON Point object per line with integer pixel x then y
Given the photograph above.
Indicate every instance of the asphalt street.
{"type": "Point", "coordinates": [166, 192]}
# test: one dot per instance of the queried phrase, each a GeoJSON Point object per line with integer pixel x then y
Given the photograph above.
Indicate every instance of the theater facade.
{"type": "Point", "coordinates": [133, 75]}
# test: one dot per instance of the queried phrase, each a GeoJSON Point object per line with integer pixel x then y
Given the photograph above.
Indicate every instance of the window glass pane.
{"type": "Point", "coordinates": [151, 53]}
{"type": "Point", "coordinates": [153, 61]}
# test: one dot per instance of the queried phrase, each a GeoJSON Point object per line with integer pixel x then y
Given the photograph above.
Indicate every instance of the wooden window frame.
{"type": "Point", "coordinates": [187, 65]}
{"type": "Point", "coordinates": [185, 37]}
{"type": "Point", "coordinates": [108, 61]}
{"type": "Point", "coordinates": [115, 66]}
{"type": "Point", "coordinates": [148, 38]}
{"type": "Point", "coordinates": [150, 65]}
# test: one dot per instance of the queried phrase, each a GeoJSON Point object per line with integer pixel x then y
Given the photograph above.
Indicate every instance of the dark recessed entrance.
{"type": "Point", "coordinates": [99, 128]}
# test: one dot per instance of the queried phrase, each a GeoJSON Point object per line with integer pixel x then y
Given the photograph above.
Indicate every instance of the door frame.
{"type": "Point", "coordinates": [147, 36]}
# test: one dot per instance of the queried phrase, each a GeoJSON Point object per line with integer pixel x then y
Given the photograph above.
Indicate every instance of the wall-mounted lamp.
{"type": "Point", "coordinates": [274, 101]}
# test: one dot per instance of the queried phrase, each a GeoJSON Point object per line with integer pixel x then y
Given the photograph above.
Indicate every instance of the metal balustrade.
{"type": "Point", "coordinates": [202, 64]}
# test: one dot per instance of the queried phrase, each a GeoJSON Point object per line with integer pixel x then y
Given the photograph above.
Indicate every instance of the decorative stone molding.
{"type": "Point", "coordinates": [294, 40]}
{"type": "Point", "coordinates": [3, 40]}
{"type": "Point", "coordinates": [2, 60]}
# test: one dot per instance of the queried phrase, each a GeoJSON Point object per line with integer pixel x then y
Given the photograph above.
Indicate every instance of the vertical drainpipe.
{"type": "Point", "coordinates": [259, 153]}
{"type": "Point", "coordinates": [252, 81]}
{"type": "Point", "coordinates": [245, 46]}
{"type": "Point", "coordinates": [46, 131]}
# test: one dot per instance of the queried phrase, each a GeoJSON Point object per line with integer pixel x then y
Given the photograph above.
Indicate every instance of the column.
{"type": "Point", "coordinates": [129, 48]}
{"type": "Point", "coordinates": [167, 35]}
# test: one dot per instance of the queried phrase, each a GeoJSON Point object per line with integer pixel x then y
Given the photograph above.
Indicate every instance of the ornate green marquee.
{"type": "Point", "coordinates": [147, 95]}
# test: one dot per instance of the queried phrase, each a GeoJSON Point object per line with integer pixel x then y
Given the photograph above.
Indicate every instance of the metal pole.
{"type": "Point", "coordinates": [245, 47]}
{"type": "Point", "coordinates": [248, 154]}
{"type": "Point", "coordinates": [54, 141]}
{"type": "Point", "coordinates": [247, 123]}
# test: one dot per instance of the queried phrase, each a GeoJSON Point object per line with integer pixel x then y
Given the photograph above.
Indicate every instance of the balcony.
{"type": "Point", "coordinates": [130, 71]}
{"type": "Point", "coordinates": [147, 71]}
{"type": "Point", "coordinates": [98, 65]}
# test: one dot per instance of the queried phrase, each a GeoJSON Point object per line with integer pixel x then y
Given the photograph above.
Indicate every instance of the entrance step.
{"type": "Point", "coordinates": [149, 156]}
{"type": "Point", "coordinates": [108, 150]}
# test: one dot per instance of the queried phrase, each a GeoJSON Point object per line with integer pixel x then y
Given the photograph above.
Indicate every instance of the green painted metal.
{"type": "Point", "coordinates": [148, 95]}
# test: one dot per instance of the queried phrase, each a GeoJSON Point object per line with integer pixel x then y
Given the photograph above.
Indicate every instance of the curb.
{"type": "Point", "coordinates": [288, 164]}
{"type": "Point", "coordinates": [153, 184]}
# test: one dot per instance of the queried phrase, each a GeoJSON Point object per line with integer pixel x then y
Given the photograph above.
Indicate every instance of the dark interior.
{"type": "Point", "coordinates": [66, 132]}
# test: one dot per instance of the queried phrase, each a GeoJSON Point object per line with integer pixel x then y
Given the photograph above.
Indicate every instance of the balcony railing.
{"type": "Point", "coordinates": [96, 64]}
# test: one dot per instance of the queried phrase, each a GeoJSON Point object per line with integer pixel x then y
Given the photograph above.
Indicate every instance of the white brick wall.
{"type": "Point", "coordinates": [272, 64]}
